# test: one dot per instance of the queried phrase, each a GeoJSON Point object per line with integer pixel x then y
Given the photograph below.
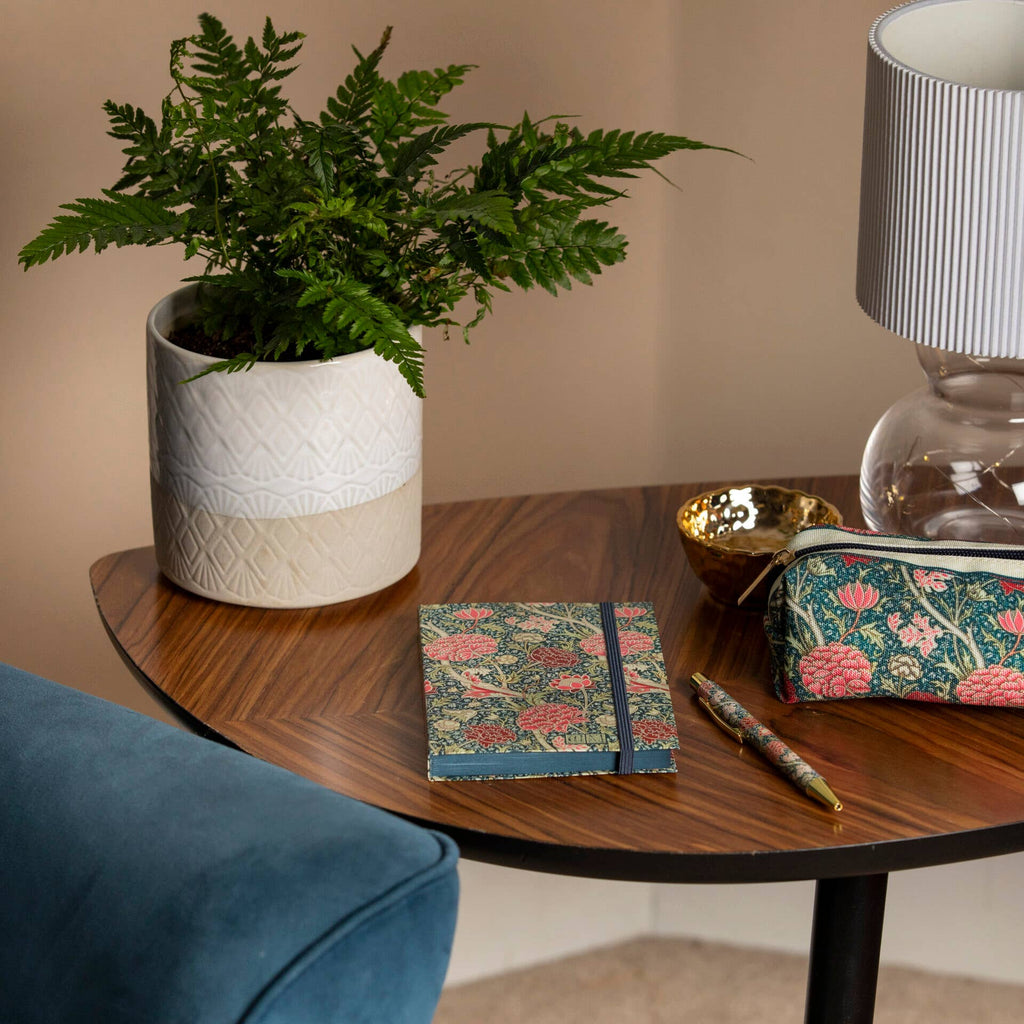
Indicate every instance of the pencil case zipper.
{"type": "Point", "coordinates": [936, 554]}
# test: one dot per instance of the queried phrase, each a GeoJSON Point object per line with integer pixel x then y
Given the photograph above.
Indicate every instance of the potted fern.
{"type": "Point", "coordinates": [327, 245]}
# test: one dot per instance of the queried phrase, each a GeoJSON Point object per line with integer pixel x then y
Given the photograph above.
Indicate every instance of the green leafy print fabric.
{"type": "Point", "coordinates": [851, 625]}
{"type": "Point", "coordinates": [534, 677]}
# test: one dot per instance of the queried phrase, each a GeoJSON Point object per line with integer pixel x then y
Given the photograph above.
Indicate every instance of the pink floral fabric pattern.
{"type": "Point", "coordinates": [460, 648]}
{"type": "Point", "coordinates": [630, 642]}
{"type": "Point", "coordinates": [553, 657]}
{"type": "Point", "coordinates": [871, 625]}
{"type": "Point", "coordinates": [836, 670]}
{"type": "Point", "coordinates": [511, 678]}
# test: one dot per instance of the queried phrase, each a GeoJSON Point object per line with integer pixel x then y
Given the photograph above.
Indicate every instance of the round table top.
{"type": "Point", "coordinates": [336, 694]}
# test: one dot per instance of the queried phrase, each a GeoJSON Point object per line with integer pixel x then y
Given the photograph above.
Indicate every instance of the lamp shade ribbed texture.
{"type": "Point", "coordinates": [941, 251]}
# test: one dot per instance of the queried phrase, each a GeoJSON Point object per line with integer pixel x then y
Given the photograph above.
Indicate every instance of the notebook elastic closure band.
{"type": "Point", "coordinates": [618, 678]}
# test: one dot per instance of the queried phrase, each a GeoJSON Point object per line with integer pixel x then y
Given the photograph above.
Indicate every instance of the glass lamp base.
{"type": "Point", "coordinates": [947, 461]}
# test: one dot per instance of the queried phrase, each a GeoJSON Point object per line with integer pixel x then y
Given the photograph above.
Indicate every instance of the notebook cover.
{"type": "Point", "coordinates": [523, 690]}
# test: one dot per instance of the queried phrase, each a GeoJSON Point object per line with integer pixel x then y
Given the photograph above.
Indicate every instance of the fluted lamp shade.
{"type": "Point", "coordinates": [941, 263]}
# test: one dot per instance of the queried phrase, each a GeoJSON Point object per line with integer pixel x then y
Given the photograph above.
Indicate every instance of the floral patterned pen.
{"type": "Point", "coordinates": [742, 725]}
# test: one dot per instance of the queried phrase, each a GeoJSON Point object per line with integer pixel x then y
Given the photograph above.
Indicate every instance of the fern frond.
{"type": "Point", "coordinates": [425, 88]}
{"type": "Point", "coordinates": [615, 153]}
{"type": "Point", "coordinates": [236, 364]}
{"type": "Point", "coordinates": [152, 162]}
{"type": "Point", "coordinates": [318, 156]}
{"type": "Point", "coordinates": [223, 59]}
{"type": "Point", "coordinates": [330, 151]}
{"type": "Point", "coordinates": [352, 311]}
{"type": "Point", "coordinates": [402, 109]}
{"type": "Point", "coordinates": [511, 165]}
{"type": "Point", "coordinates": [404, 351]}
{"type": "Point", "coordinates": [463, 247]}
{"type": "Point", "coordinates": [490, 209]}
{"type": "Point", "coordinates": [329, 214]}
{"type": "Point", "coordinates": [354, 98]}
{"type": "Point", "coordinates": [280, 48]}
{"type": "Point", "coordinates": [411, 157]}
{"type": "Point", "coordinates": [118, 220]}
{"type": "Point", "coordinates": [132, 124]}
{"type": "Point", "coordinates": [553, 257]}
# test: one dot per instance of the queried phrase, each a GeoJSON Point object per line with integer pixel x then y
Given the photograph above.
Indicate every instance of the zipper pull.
{"type": "Point", "coordinates": [782, 557]}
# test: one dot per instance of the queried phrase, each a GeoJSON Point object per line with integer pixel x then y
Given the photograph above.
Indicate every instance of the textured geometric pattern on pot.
{"type": "Point", "coordinates": [289, 563]}
{"type": "Point", "coordinates": [280, 439]}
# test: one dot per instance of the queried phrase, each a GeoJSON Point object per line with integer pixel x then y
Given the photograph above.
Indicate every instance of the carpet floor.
{"type": "Point", "coordinates": [681, 981]}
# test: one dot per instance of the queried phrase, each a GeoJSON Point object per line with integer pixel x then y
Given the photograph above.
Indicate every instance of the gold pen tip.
{"type": "Point", "coordinates": [819, 789]}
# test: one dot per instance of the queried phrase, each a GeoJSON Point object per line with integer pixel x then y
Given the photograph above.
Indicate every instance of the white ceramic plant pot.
{"type": "Point", "coordinates": [289, 485]}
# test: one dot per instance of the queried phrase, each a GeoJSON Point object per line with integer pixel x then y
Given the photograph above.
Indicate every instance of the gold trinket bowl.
{"type": "Point", "coordinates": [731, 534]}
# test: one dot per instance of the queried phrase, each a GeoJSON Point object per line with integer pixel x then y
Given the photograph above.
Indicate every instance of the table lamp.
{"type": "Point", "coordinates": [941, 263]}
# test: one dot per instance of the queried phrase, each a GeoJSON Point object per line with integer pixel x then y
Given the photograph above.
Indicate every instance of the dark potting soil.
{"type": "Point", "coordinates": [195, 339]}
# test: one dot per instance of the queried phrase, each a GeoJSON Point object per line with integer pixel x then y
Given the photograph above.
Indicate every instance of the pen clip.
{"type": "Point", "coordinates": [720, 722]}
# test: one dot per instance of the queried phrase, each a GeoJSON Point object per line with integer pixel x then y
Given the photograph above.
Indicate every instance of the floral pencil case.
{"type": "Point", "coordinates": [857, 614]}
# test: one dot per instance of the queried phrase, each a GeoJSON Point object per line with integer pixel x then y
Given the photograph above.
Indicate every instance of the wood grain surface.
{"type": "Point", "coordinates": [335, 694]}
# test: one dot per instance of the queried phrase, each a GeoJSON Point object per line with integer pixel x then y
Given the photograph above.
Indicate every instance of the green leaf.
{"type": "Point", "coordinates": [318, 156]}
{"type": "Point", "coordinates": [269, 35]}
{"type": "Point", "coordinates": [353, 100]}
{"type": "Point", "coordinates": [351, 310]}
{"type": "Point", "coordinates": [555, 256]}
{"type": "Point", "coordinates": [490, 209]}
{"type": "Point", "coordinates": [411, 157]}
{"type": "Point", "coordinates": [426, 88]}
{"type": "Point", "coordinates": [236, 364]}
{"type": "Point", "coordinates": [129, 123]}
{"type": "Point", "coordinates": [117, 220]}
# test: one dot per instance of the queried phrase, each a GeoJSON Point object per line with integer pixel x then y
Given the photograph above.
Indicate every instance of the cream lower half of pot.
{"type": "Point", "coordinates": [295, 562]}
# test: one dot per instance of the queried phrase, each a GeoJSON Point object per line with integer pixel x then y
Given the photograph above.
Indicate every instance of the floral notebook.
{"type": "Point", "coordinates": [523, 690]}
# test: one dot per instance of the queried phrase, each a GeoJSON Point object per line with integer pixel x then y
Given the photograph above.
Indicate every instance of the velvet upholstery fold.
{"type": "Point", "coordinates": [148, 876]}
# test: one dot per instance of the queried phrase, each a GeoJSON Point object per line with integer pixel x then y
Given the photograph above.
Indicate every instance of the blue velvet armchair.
{"type": "Point", "coordinates": [148, 876]}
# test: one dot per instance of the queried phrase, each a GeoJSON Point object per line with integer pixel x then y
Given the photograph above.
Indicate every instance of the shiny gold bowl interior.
{"type": "Point", "coordinates": [730, 534]}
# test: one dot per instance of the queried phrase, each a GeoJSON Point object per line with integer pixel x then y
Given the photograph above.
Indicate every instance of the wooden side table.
{"type": "Point", "coordinates": [335, 694]}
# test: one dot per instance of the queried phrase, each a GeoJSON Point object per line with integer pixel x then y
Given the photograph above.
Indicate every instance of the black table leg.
{"type": "Point", "coordinates": [845, 944]}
